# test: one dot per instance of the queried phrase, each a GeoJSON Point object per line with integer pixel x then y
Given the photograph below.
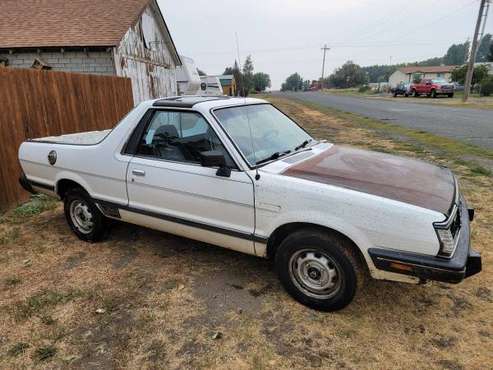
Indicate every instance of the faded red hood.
{"type": "Point", "coordinates": [403, 179]}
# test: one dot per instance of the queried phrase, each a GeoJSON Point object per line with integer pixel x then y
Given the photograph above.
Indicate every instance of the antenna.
{"type": "Point", "coordinates": [239, 62]}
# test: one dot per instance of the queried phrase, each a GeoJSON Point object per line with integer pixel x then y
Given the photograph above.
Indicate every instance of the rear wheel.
{"type": "Point", "coordinates": [415, 93]}
{"type": "Point", "coordinates": [83, 217]}
{"type": "Point", "coordinates": [318, 269]}
{"type": "Point", "coordinates": [451, 95]}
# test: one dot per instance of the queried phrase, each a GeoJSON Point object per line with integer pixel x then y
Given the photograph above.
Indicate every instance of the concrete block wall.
{"type": "Point", "coordinates": [94, 62]}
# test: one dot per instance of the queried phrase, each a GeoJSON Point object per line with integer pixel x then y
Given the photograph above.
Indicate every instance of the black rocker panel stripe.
{"type": "Point", "coordinates": [182, 221]}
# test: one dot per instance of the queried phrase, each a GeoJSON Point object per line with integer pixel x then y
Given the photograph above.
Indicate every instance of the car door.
{"type": "Point", "coordinates": [170, 190]}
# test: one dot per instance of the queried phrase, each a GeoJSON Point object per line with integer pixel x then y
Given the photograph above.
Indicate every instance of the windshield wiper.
{"type": "Point", "coordinates": [273, 156]}
{"type": "Point", "coordinates": [303, 144]}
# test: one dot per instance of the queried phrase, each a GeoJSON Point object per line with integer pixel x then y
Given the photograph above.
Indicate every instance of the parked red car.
{"type": "Point", "coordinates": [432, 88]}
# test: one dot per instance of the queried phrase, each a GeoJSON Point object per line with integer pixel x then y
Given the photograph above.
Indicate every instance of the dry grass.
{"type": "Point", "coordinates": [144, 299]}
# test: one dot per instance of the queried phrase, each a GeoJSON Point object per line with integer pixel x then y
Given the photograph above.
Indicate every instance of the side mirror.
{"type": "Point", "coordinates": [215, 158]}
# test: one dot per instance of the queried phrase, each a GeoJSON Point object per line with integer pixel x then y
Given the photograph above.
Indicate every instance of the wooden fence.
{"type": "Point", "coordinates": [43, 103]}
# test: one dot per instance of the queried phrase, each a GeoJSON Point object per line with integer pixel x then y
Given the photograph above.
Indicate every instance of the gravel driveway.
{"type": "Point", "coordinates": [474, 126]}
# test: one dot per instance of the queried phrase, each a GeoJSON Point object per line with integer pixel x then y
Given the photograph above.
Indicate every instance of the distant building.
{"type": "Point", "coordinates": [126, 38]}
{"type": "Point", "coordinates": [228, 84]}
{"type": "Point", "coordinates": [405, 74]}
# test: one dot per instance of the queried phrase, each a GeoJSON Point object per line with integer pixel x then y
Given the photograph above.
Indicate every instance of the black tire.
{"type": "Point", "coordinates": [415, 93]}
{"type": "Point", "coordinates": [78, 204]}
{"type": "Point", "coordinates": [450, 95]}
{"type": "Point", "coordinates": [406, 95]}
{"type": "Point", "coordinates": [317, 252]}
{"type": "Point", "coordinates": [433, 93]}
{"type": "Point", "coordinates": [395, 95]}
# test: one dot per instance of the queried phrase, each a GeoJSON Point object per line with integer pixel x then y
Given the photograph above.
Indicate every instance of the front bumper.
{"type": "Point", "coordinates": [464, 263]}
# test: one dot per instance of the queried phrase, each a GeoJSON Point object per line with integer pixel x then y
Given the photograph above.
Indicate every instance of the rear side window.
{"type": "Point", "coordinates": [179, 137]}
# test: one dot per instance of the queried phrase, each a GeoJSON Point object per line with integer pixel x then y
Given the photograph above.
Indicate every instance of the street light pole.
{"type": "Point", "coordinates": [472, 55]}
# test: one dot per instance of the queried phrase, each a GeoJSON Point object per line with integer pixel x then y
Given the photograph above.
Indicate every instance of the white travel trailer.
{"type": "Point", "coordinates": [187, 77]}
{"type": "Point", "coordinates": [211, 86]}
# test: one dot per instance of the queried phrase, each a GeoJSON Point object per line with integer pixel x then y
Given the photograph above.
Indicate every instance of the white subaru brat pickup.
{"type": "Point", "coordinates": [240, 174]}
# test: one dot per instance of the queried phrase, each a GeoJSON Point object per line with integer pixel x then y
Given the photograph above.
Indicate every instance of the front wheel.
{"type": "Point", "coordinates": [83, 217]}
{"type": "Point", "coordinates": [450, 95]}
{"type": "Point", "coordinates": [433, 93]}
{"type": "Point", "coordinates": [318, 269]}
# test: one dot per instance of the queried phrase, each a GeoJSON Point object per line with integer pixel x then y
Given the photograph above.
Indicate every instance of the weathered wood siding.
{"type": "Point", "coordinates": [144, 57]}
{"type": "Point", "coordinates": [43, 103]}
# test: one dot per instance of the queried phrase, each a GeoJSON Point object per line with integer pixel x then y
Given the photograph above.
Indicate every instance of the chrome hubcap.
{"type": "Point", "coordinates": [81, 216]}
{"type": "Point", "coordinates": [315, 273]}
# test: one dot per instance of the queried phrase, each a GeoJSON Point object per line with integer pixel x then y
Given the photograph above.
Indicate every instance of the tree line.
{"type": "Point", "coordinates": [246, 80]}
{"type": "Point", "coordinates": [456, 54]}
{"type": "Point", "coordinates": [352, 75]}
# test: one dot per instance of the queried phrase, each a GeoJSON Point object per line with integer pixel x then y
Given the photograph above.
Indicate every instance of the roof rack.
{"type": "Point", "coordinates": [186, 101]}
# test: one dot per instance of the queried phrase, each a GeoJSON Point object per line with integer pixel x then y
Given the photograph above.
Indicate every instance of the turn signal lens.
{"type": "Point", "coordinates": [447, 242]}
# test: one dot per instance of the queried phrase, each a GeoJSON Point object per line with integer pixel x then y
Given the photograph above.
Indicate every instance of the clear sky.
{"type": "Point", "coordinates": [285, 36]}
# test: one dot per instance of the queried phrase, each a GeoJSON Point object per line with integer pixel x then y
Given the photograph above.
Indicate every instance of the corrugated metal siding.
{"type": "Point", "coordinates": [144, 57]}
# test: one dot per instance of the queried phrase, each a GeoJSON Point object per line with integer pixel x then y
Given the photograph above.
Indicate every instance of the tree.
{"type": "Point", "coordinates": [484, 48]}
{"type": "Point", "coordinates": [349, 75]}
{"type": "Point", "coordinates": [261, 81]}
{"type": "Point", "coordinates": [293, 83]}
{"type": "Point", "coordinates": [228, 71]}
{"type": "Point", "coordinates": [456, 54]}
{"type": "Point", "coordinates": [459, 74]}
{"type": "Point", "coordinates": [247, 75]}
{"type": "Point", "coordinates": [490, 57]}
{"type": "Point", "coordinates": [201, 72]}
{"type": "Point", "coordinates": [306, 85]}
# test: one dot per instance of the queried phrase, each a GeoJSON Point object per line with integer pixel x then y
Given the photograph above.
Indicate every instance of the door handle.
{"type": "Point", "coordinates": [138, 172]}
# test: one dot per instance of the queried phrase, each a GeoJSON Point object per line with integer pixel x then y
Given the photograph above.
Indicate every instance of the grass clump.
{"type": "Point", "coordinates": [10, 236]}
{"type": "Point", "coordinates": [37, 204]}
{"type": "Point", "coordinates": [44, 353]}
{"type": "Point", "coordinates": [17, 349]}
{"type": "Point", "coordinates": [12, 281]}
{"type": "Point", "coordinates": [35, 304]}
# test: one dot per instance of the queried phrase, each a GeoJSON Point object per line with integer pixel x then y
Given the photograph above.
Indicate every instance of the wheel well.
{"type": "Point", "coordinates": [65, 185]}
{"type": "Point", "coordinates": [283, 231]}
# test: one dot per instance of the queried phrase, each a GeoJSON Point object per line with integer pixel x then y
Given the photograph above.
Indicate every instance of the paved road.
{"type": "Point", "coordinates": [474, 126]}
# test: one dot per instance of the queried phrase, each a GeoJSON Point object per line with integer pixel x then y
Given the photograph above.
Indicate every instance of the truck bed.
{"type": "Point", "coordinates": [81, 138]}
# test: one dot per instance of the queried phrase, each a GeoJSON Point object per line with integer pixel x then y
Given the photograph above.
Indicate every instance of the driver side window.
{"type": "Point", "coordinates": [179, 137]}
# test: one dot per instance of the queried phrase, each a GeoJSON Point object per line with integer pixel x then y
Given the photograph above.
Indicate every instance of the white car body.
{"type": "Point", "coordinates": [237, 212]}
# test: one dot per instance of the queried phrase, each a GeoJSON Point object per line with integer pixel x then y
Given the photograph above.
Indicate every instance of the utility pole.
{"type": "Point", "coordinates": [474, 49]}
{"type": "Point", "coordinates": [325, 49]}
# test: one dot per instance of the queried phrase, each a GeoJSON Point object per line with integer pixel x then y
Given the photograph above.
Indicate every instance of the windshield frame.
{"type": "Point", "coordinates": [255, 166]}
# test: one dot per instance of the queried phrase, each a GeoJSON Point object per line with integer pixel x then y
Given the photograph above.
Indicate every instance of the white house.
{"type": "Point", "coordinates": [405, 74]}
{"type": "Point", "coordinates": [114, 37]}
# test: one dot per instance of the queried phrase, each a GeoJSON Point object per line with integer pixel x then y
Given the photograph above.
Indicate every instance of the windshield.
{"type": "Point", "coordinates": [439, 81]}
{"type": "Point", "coordinates": [262, 132]}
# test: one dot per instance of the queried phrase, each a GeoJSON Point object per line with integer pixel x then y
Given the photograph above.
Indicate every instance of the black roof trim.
{"type": "Point", "coordinates": [186, 101]}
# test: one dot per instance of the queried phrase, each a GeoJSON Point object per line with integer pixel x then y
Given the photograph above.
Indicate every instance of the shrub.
{"type": "Point", "coordinates": [487, 86]}
{"type": "Point", "coordinates": [364, 88]}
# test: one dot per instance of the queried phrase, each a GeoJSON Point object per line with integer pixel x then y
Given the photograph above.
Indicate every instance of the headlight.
{"type": "Point", "coordinates": [447, 242]}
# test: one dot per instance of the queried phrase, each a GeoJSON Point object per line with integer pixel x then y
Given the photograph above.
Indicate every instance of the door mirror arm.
{"type": "Point", "coordinates": [223, 171]}
{"type": "Point", "coordinates": [215, 158]}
